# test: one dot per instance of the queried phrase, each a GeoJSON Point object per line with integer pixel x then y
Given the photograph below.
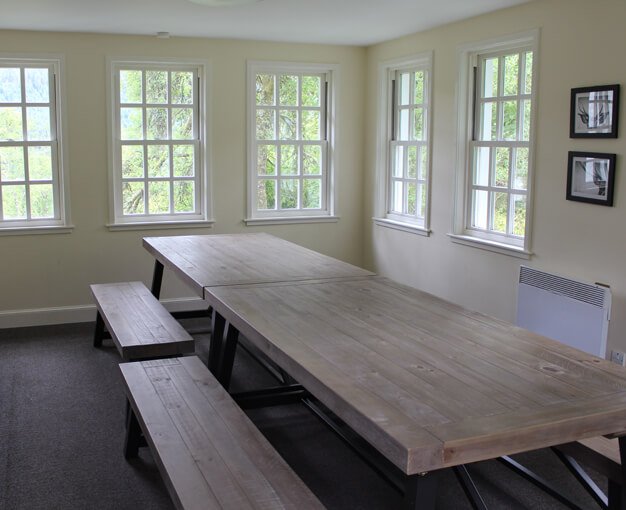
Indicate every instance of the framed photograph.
{"type": "Point", "coordinates": [594, 112]}
{"type": "Point", "coordinates": [591, 177]}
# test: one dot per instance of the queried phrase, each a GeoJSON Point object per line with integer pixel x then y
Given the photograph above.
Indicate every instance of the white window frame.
{"type": "Point", "coordinates": [384, 216]}
{"type": "Point", "coordinates": [203, 214]}
{"type": "Point", "coordinates": [329, 124]}
{"type": "Point", "coordinates": [60, 223]}
{"type": "Point", "coordinates": [468, 59]}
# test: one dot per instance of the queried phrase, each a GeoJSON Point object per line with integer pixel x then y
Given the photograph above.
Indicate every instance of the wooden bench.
{"type": "Point", "coordinates": [210, 455]}
{"type": "Point", "coordinates": [138, 324]}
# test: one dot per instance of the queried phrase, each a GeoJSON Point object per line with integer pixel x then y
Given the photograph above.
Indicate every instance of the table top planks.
{"type": "Point", "coordinates": [235, 259]}
{"type": "Point", "coordinates": [428, 383]}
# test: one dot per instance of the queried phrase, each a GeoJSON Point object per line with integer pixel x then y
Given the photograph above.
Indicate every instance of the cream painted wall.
{"type": "Point", "coordinates": [55, 270]}
{"type": "Point", "coordinates": [582, 43]}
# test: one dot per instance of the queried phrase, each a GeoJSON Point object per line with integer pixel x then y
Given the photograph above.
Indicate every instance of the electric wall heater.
{"type": "Point", "coordinates": [572, 312]}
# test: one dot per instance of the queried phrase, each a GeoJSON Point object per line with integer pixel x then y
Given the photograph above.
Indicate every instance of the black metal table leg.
{"type": "Point", "coordinates": [217, 338]}
{"type": "Point", "coordinates": [584, 479]}
{"type": "Point", "coordinates": [468, 486]}
{"type": "Point", "coordinates": [133, 436]}
{"type": "Point", "coordinates": [227, 358]}
{"type": "Point", "coordinates": [617, 494]}
{"type": "Point", "coordinates": [421, 491]}
{"type": "Point", "coordinates": [99, 332]}
{"type": "Point", "coordinates": [157, 279]}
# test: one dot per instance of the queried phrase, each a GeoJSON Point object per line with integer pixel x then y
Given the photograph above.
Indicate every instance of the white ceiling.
{"type": "Point", "coordinates": [355, 22]}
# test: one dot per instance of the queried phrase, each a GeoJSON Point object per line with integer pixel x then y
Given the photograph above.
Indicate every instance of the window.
{"type": "Point", "coordinates": [498, 157]}
{"type": "Point", "coordinates": [406, 141]}
{"type": "Point", "coordinates": [159, 150]}
{"type": "Point", "coordinates": [289, 132]}
{"type": "Point", "coordinates": [32, 183]}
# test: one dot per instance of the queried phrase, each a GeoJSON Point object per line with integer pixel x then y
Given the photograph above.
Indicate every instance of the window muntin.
{"type": "Point", "coordinates": [158, 141]}
{"type": "Point", "coordinates": [499, 151]}
{"type": "Point", "coordinates": [30, 162]}
{"type": "Point", "coordinates": [289, 133]}
{"type": "Point", "coordinates": [409, 145]}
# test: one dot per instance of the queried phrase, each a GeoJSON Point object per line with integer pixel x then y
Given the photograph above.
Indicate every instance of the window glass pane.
{"type": "Point", "coordinates": [10, 124]}
{"type": "Point", "coordinates": [158, 197]}
{"type": "Point", "coordinates": [265, 89]}
{"type": "Point", "coordinates": [418, 127]}
{"type": "Point", "coordinates": [184, 197]}
{"type": "Point", "coordinates": [266, 160]}
{"type": "Point", "coordinates": [509, 126]}
{"type": "Point", "coordinates": [133, 199]}
{"type": "Point", "coordinates": [396, 197]}
{"type": "Point", "coordinates": [289, 191]}
{"type": "Point", "coordinates": [528, 78]}
{"type": "Point", "coordinates": [526, 124]}
{"type": "Point", "coordinates": [421, 198]}
{"type": "Point", "coordinates": [310, 125]}
{"type": "Point", "coordinates": [288, 90]}
{"type": "Point", "coordinates": [311, 194]}
{"type": "Point", "coordinates": [511, 74]}
{"type": "Point", "coordinates": [411, 199]}
{"type": "Point", "coordinates": [411, 162]}
{"type": "Point", "coordinates": [131, 123]}
{"type": "Point", "coordinates": [403, 119]}
{"type": "Point", "coordinates": [288, 160]}
{"type": "Point", "coordinates": [311, 88]}
{"type": "Point", "coordinates": [184, 161]}
{"type": "Point", "coordinates": [10, 85]}
{"type": "Point", "coordinates": [265, 129]}
{"type": "Point", "coordinates": [287, 124]}
{"type": "Point", "coordinates": [489, 124]}
{"type": "Point", "coordinates": [311, 160]}
{"type": "Point", "coordinates": [500, 212]}
{"type": "Point", "coordinates": [182, 87]}
{"type": "Point", "coordinates": [157, 123]}
{"type": "Point", "coordinates": [130, 86]}
{"type": "Point", "coordinates": [419, 87]}
{"type": "Point", "coordinates": [490, 77]}
{"type": "Point", "coordinates": [158, 162]}
{"type": "Point", "coordinates": [156, 87]}
{"type": "Point", "coordinates": [37, 85]}
{"type": "Point", "coordinates": [38, 123]}
{"type": "Point", "coordinates": [266, 194]}
{"type": "Point", "coordinates": [405, 89]}
{"type": "Point", "coordinates": [482, 162]}
{"type": "Point", "coordinates": [11, 164]}
{"type": "Point", "coordinates": [423, 163]}
{"type": "Point", "coordinates": [521, 168]}
{"type": "Point", "coordinates": [41, 201]}
{"type": "Point", "coordinates": [40, 163]}
{"type": "Point", "coordinates": [519, 215]}
{"type": "Point", "coordinates": [398, 165]}
{"type": "Point", "coordinates": [14, 202]}
{"type": "Point", "coordinates": [182, 124]}
{"type": "Point", "coordinates": [480, 208]}
{"type": "Point", "coordinates": [502, 167]}
{"type": "Point", "coordinates": [132, 161]}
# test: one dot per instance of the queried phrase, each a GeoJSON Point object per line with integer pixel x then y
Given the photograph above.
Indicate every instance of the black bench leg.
{"type": "Point", "coordinates": [133, 436]}
{"type": "Point", "coordinates": [99, 333]}
{"type": "Point", "coordinates": [228, 356]}
{"type": "Point", "coordinates": [617, 492]}
{"type": "Point", "coordinates": [421, 491]}
{"type": "Point", "coordinates": [218, 324]}
{"type": "Point", "coordinates": [157, 279]}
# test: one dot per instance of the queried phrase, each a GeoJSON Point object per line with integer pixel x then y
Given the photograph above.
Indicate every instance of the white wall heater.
{"type": "Point", "coordinates": [572, 312]}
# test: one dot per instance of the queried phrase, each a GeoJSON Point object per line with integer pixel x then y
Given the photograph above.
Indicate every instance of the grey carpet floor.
{"type": "Point", "coordinates": [62, 430]}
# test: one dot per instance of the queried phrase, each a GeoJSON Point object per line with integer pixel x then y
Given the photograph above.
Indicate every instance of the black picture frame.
{"type": "Point", "coordinates": [594, 112]}
{"type": "Point", "coordinates": [591, 177]}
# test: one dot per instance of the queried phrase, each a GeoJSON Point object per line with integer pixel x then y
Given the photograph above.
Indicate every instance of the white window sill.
{"type": "Point", "coordinates": [494, 246]}
{"type": "Point", "coordinates": [24, 231]}
{"type": "Point", "coordinates": [404, 227]}
{"type": "Point", "coordinates": [287, 220]}
{"type": "Point", "coordinates": [159, 225]}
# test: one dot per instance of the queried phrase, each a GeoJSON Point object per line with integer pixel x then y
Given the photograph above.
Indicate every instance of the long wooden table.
{"type": "Point", "coordinates": [427, 383]}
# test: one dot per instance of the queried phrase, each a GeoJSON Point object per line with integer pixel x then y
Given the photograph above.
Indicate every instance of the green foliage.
{"type": "Point", "coordinates": [289, 193]}
{"type": "Point", "coordinates": [311, 194]}
{"type": "Point", "coordinates": [266, 194]}
{"type": "Point", "coordinates": [10, 124]}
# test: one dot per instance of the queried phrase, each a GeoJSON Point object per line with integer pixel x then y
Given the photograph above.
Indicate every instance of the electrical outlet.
{"type": "Point", "coordinates": [618, 357]}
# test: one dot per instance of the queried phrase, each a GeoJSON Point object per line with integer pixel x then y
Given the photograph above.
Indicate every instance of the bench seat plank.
{"type": "Point", "coordinates": [208, 451]}
{"type": "Point", "coordinates": [139, 324]}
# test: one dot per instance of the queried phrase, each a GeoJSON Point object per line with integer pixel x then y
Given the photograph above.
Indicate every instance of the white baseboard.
{"type": "Point", "coordinates": [78, 313]}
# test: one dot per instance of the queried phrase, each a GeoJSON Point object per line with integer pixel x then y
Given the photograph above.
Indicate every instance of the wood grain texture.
{"type": "Point", "coordinates": [426, 382]}
{"type": "Point", "coordinates": [139, 325]}
{"type": "Point", "coordinates": [210, 454]}
{"type": "Point", "coordinates": [236, 259]}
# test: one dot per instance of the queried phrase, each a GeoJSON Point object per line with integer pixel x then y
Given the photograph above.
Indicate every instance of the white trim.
{"type": "Point", "coordinates": [289, 220]}
{"type": "Point", "coordinates": [466, 55]}
{"type": "Point", "coordinates": [48, 229]}
{"type": "Point", "coordinates": [77, 313]}
{"type": "Point", "coordinates": [158, 225]}
{"type": "Point", "coordinates": [404, 227]}
{"type": "Point", "coordinates": [484, 244]}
